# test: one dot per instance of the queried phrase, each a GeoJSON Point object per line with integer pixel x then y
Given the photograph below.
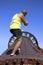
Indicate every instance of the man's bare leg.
{"type": "Point", "coordinates": [17, 45]}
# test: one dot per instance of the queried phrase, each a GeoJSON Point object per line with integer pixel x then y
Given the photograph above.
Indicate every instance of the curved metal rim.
{"type": "Point", "coordinates": [31, 35]}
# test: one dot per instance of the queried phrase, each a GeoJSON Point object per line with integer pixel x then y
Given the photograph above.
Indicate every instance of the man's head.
{"type": "Point", "coordinates": [24, 12]}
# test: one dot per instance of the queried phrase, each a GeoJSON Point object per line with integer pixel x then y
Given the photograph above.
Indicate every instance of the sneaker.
{"type": "Point", "coordinates": [19, 50]}
{"type": "Point", "coordinates": [12, 54]}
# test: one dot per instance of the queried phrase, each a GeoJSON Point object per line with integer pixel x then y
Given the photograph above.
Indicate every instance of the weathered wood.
{"type": "Point", "coordinates": [31, 53]}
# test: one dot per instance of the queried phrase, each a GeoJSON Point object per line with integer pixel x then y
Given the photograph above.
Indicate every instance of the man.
{"type": "Point", "coordinates": [15, 28]}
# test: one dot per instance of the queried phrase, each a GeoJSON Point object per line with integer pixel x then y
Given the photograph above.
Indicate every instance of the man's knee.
{"type": "Point", "coordinates": [19, 38]}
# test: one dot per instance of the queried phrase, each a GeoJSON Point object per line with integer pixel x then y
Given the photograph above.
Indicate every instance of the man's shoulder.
{"type": "Point", "coordinates": [20, 15]}
{"type": "Point", "coordinates": [14, 16]}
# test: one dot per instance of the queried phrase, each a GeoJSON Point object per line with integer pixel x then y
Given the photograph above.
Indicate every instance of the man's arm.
{"type": "Point", "coordinates": [23, 20]}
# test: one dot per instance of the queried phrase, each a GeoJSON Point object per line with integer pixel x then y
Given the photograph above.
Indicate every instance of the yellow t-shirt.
{"type": "Point", "coordinates": [16, 22]}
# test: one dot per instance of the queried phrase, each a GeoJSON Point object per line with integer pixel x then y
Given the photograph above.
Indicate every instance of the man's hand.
{"type": "Point", "coordinates": [26, 23]}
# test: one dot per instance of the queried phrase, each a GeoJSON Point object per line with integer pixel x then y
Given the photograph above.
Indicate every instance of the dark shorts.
{"type": "Point", "coordinates": [16, 32]}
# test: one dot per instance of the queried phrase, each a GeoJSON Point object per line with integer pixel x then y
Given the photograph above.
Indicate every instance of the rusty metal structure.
{"type": "Point", "coordinates": [31, 53]}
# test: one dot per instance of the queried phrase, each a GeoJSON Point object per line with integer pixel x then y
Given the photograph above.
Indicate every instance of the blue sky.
{"type": "Point", "coordinates": [34, 17]}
